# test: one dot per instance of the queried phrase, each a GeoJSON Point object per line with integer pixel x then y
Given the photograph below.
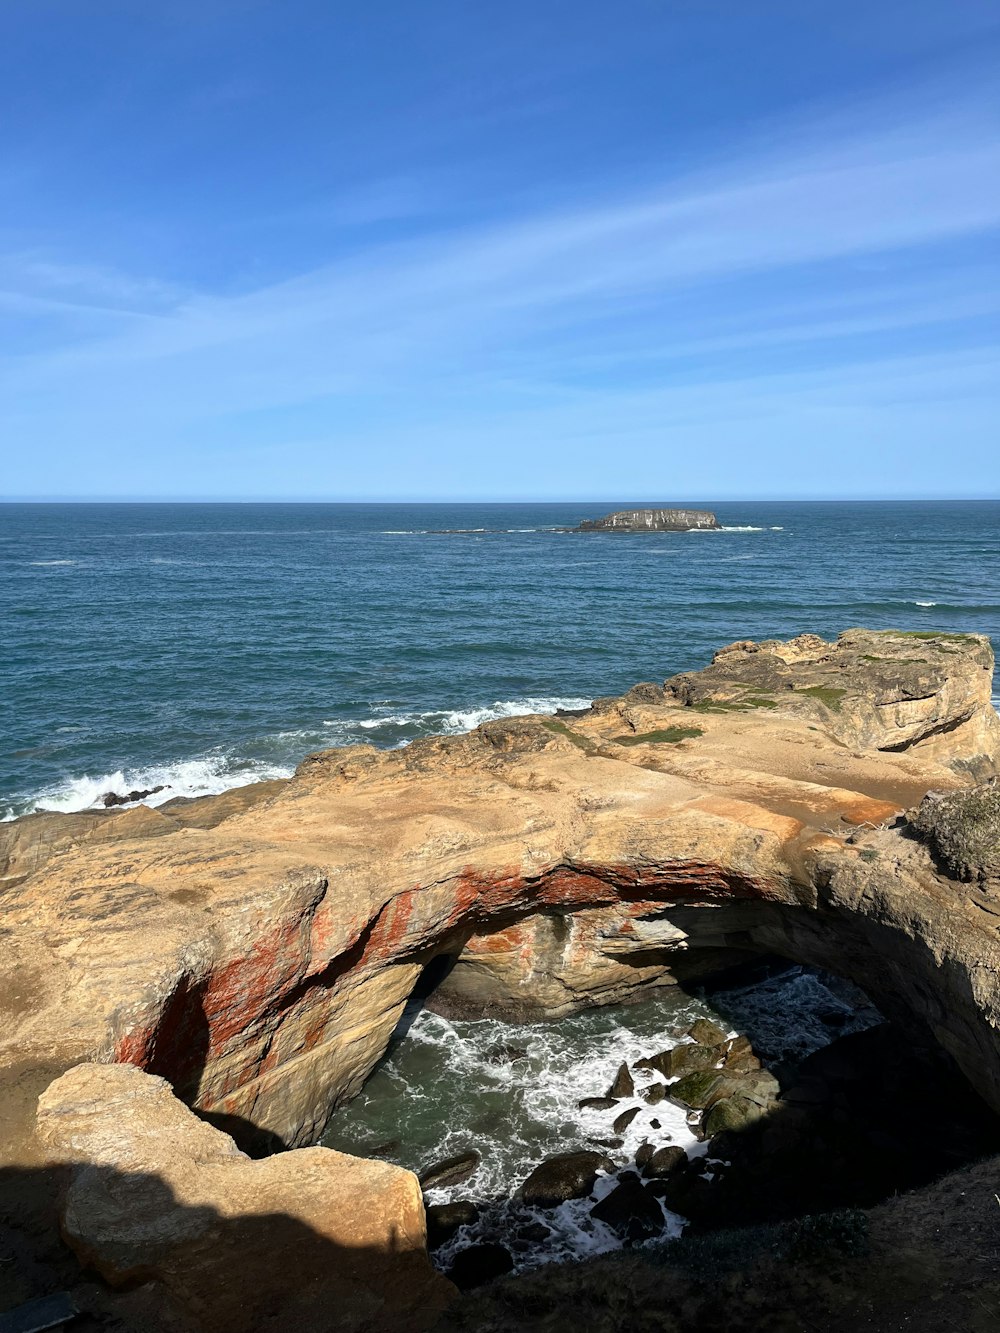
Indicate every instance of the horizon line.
{"type": "Point", "coordinates": [493, 500]}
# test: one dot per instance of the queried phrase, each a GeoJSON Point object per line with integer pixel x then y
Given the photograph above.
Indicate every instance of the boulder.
{"type": "Point", "coordinates": [623, 1085]}
{"type": "Point", "coordinates": [597, 1103]}
{"type": "Point", "coordinates": [567, 1176]}
{"type": "Point", "coordinates": [450, 1171]}
{"type": "Point", "coordinates": [700, 1090]}
{"type": "Point", "coordinates": [664, 1162]}
{"type": "Point", "coordinates": [630, 1210]}
{"type": "Point", "coordinates": [624, 1120]}
{"type": "Point", "coordinates": [706, 1033]}
{"type": "Point", "coordinates": [732, 1113]}
{"type": "Point", "coordinates": [154, 1193]}
{"type": "Point", "coordinates": [654, 1094]}
{"type": "Point", "coordinates": [444, 1219]}
{"type": "Point", "coordinates": [480, 1263]}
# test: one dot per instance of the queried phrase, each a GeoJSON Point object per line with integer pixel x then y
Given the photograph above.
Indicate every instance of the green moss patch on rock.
{"type": "Point", "coordinates": [558, 728]}
{"type": "Point", "coordinates": [665, 736]}
{"type": "Point", "coordinates": [829, 695]}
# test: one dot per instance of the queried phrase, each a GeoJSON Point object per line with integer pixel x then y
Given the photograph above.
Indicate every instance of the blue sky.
{"type": "Point", "coordinates": [691, 249]}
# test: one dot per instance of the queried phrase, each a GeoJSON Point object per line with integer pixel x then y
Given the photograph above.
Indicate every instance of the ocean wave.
{"type": "Point", "coordinates": [188, 777]}
{"type": "Point", "coordinates": [454, 721]}
{"type": "Point", "coordinates": [216, 773]}
{"type": "Point", "coordinates": [925, 603]}
{"type": "Point", "coordinates": [42, 564]}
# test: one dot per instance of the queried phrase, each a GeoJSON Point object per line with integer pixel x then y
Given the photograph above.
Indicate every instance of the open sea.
{"type": "Point", "coordinates": [201, 646]}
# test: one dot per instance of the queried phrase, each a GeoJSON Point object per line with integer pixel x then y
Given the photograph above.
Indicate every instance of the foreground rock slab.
{"type": "Point", "coordinates": [307, 1240]}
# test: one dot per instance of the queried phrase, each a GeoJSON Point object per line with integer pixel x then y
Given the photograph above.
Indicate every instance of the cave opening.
{"type": "Point", "coordinates": [767, 1091]}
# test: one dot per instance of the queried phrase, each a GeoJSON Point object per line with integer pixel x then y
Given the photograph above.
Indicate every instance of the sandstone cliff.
{"type": "Point", "coordinates": [256, 949]}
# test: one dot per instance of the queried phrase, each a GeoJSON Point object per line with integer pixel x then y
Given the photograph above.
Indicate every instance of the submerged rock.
{"type": "Point", "coordinates": [568, 1176]}
{"type": "Point", "coordinates": [449, 1171]}
{"type": "Point", "coordinates": [597, 1103]}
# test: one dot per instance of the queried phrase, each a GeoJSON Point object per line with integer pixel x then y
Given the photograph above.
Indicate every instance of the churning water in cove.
{"type": "Point", "coordinates": [204, 646]}
{"type": "Point", "coordinates": [511, 1092]}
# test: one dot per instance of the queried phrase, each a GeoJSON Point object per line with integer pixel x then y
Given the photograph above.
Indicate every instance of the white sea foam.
{"type": "Point", "coordinates": [42, 564]}
{"type": "Point", "coordinates": [519, 1112]}
{"type": "Point", "coordinates": [191, 777]}
{"type": "Point", "coordinates": [454, 721]}
{"type": "Point", "coordinates": [925, 603]}
{"type": "Point", "coordinates": [777, 529]}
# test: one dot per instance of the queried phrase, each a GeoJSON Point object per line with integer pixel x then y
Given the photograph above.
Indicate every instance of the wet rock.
{"type": "Point", "coordinates": [741, 1062]}
{"type": "Point", "coordinates": [706, 1033]}
{"type": "Point", "coordinates": [630, 1210]}
{"type": "Point", "coordinates": [700, 1090]}
{"type": "Point", "coordinates": [643, 1153]}
{"type": "Point", "coordinates": [449, 1171]}
{"type": "Point", "coordinates": [597, 1103]}
{"type": "Point", "coordinates": [623, 1085]}
{"type": "Point", "coordinates": [654, 1094]}
{"type": "Point", "coordinates": [624, 1120]}
{"type": "Point", "coordinates": [760, 1087]}
{"type": "Point", "coordinates": [732, 1113]}
{"type": "Point", "coordinates": [654, 1124]}
{"type": "Point", "coordinates": [111, 799]}
{"type": "Point", "coordinates": [683, 1059]}
{"type": "Point", "coordinates": [607, 1143]}
{"type": "Point", "coordinates": [534, 1233]}
{"type": "Point", "coordinates": [664, 1162]}
{"type": "Point", "coordinates": [505, 1053]}
{"type": "Point", "coordinates": [480, 1263]}
{"type": "Point", "coordinates": [568, 1176]}
{"type": "Point", "coordinates": [391, 1148]}
{"type": "Point", "coordinates": [444, 1219]}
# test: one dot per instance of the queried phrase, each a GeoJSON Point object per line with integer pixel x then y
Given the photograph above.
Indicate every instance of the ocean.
{"type": "Point", "coordinates": [201, 646]}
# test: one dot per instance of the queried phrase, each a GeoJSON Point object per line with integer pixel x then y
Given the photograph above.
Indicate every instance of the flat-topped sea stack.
{"type": "Point", "coordinates": [651, 520]}
{"type": "Point", "coordinates": [244, 959]}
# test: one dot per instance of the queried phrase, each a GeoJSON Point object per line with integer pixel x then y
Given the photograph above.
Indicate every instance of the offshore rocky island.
{"type": "Point", "coordinates": [190, 991]}
{"type": "Point", "coordinates": [651, 520]}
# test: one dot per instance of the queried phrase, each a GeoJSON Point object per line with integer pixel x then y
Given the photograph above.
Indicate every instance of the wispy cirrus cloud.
{"type": "Point", "coordinates": [473, 320]}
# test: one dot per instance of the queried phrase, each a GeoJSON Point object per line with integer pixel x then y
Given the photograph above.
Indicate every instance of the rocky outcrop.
{"type": "Point", "coordinates": [651, 520]}
{"type": "Point", "coordinates": [257, 951]}
{"type": "Point", "coordinates": [155, 1193]}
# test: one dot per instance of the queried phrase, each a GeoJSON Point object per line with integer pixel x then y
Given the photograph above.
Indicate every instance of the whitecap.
{"type": "Point", "coordinates": [188, 777]}
{"type": "Point", "coordinates": [50, 563]}
{"type": "Point", "coordinates": [454, 721]}
{"type": "Point", "coordinates": [777, 529]}
{"type": "Point", "coordinates": [925, 603]}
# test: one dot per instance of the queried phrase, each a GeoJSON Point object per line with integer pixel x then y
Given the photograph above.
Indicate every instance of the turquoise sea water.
{"type": "Point", "coordinates": [204, 645]}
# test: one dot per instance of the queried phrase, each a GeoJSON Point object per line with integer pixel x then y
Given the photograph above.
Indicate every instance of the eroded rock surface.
{"type": "Point", "coordinates": [256, 949]}
{"type": "Point", "coordinates": [155, 1193]}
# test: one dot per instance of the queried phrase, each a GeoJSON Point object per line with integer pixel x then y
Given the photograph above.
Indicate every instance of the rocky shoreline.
{"type": "Point", "coordinates": [249, 955]}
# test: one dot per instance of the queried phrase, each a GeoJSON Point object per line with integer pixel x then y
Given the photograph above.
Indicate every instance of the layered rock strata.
{"type": "Point", "coordinates": [651, 520]}
{"type": "Point", "coordinates": [256, 949]}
